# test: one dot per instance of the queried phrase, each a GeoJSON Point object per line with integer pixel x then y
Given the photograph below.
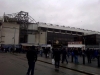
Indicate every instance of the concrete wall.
{"type": "Point", "coordinates": [8, 31]}
{"type": "Point", "coordinates": [31, 38]}
{"type": "Point", "coordinates": [43, 37]}
{"type": "Point", "coordinates": [37, 38]}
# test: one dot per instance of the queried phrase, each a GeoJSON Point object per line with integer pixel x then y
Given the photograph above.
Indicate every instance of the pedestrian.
{"type": "Point", "coordinates": [88, 52]}
{"type": "Point", "coordinates": [32, 58]}
{"type": "Point", "coordinates": [64, 55]}
{"type": "Point", "coordinates": [57, 53]}
{"type": "Point", "coordinates": [46, 50]}
{"type": "Point", "coordinates": [52, 52]}
{"type": "Point", "coordinates": [76, 55]}
{"type": "Point", "coordinates": [41, 51]}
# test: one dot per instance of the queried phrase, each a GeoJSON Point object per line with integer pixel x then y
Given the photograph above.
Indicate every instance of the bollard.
{"type": "Point", "coordinates": [98, 60]}
{"type": "Point", "coordinates": [83, 58]}
{"type": "Point", "coordinates": [72, 58]}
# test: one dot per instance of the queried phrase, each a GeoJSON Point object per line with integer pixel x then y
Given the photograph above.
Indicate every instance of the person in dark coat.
{"type": "Point", "coordinates": [46, 51]}
{"type": "Point", "coordinates": [76, 55]}
{"type": "Point", "coordinates": [32, 58]}
{"type": "Point", "coordinates": [64, 55]}
{"type": "Point", "coordinates": [88, 52]}
{"type": "Point", "coordinates": [57, 53]}
{"type": "Point", "coordinates": [52, 53]}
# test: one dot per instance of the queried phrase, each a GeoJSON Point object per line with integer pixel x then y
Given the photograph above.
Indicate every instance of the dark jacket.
{"type": "Point", "coordinates": [46, 51]}
{"type": "Point", "coordinates": [57, 53]}
{"type": "Point", "coordinates": [64, 53]}
{"type": "Point", "coordinates": [32, 55]}
{"type": "Point", "coordinates": [75, 52]}
{"type": "Point", "coordinates": [88, 52]}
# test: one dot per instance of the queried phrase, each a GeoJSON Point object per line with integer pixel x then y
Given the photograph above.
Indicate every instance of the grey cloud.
{"type": "Point", "coordinates": [75, 13]}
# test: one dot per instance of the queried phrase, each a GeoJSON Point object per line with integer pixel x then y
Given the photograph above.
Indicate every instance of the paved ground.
{"type": "Point", "coordinates": [94, 62]}
{"type": "Point", "coordinates": [72, 66]}
{"type": "Point", "coordinates": [17, 65]}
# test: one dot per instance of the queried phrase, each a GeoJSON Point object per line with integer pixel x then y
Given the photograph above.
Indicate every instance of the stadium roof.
{"type": "Point", "coordinates": [53, 26]}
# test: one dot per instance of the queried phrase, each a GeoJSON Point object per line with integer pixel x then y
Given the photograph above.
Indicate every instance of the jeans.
{"type": "Point", "coordinates": [31, 67]}
{"type": "Point", "coordinates": [41, 53]}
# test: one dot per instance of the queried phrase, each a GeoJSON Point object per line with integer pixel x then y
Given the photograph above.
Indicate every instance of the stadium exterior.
{"type": "Point", "coordinates": [18, 29]}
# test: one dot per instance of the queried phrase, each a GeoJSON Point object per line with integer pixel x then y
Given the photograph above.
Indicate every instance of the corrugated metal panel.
{"type": "Point", "coordinates": [32, 26]}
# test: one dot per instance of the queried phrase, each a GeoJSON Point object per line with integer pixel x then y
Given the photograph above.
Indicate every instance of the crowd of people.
{"type": "Point", "coordinates": [58, 54]}
{"type": "Point", "coordinates": [62, 54]}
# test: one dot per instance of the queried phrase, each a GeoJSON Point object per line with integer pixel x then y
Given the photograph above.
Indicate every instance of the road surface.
{"type": "Point", "coordinates": [13, 65]}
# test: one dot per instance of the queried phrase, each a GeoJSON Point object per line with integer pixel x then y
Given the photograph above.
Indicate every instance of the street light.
{"type": "Point", "coordinates": [84, 40]}
{"type": "Point", "coordinates": [14, 36]}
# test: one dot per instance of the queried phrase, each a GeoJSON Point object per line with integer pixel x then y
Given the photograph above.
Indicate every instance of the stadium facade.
{"type": "Point", "coordinates": [21, 28]}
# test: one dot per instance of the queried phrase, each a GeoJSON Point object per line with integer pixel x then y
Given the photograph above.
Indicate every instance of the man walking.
{"type": "Point", "coordinates": [57, 53]}
{"type": "Point", "coordinates": [88, 52]}
{"type": "Point", "coordinates": [31, 57]}
{"type": "Point", "coordinates": [76, 55]}
{"type": "Point", "coordinates": [64, 55]}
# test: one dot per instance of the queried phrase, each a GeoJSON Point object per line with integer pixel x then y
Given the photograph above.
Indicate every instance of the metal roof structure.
{"type": "Point", "coordinates": [22, 18]}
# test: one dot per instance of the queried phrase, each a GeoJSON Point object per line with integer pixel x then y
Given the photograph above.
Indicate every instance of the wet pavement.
{"type": "Point", "coordinates": [17, 65]}
{"type": "Point", "coordinates": [94, 62]}
{"type": "Point", "coordinates": [76, 67]}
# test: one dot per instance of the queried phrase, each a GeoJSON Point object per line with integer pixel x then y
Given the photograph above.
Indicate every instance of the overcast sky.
{"type": "Point", "coordinates": [74, 13]}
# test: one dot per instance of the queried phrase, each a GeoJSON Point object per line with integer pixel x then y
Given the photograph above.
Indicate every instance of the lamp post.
{"type": "Point", "coordinates": [14, 36]}
{"type": "Point", "coordinates": [84, 40]}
